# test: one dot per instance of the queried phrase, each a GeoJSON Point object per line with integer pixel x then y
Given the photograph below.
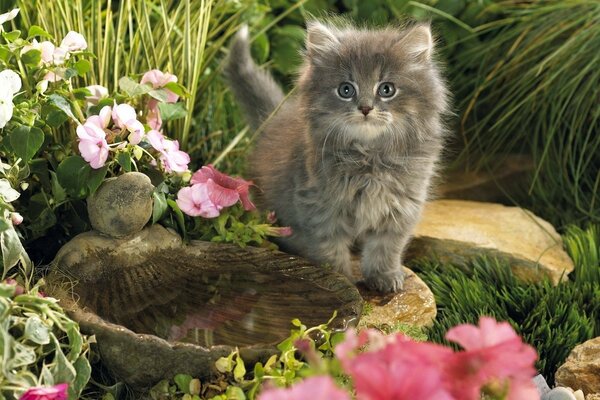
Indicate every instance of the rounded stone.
{"type": "Point", "coordinates": [581, 370]}
{"type": "Point", "coordinates": [121, 206]}
{"type": "Point", "coordinates": [414, 305]}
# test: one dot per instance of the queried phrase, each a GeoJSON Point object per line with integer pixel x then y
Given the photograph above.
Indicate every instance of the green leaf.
{"type": "Point", "coordinates": [72, 174]}
{"type": "Point", "coordinates": [62, 104]}
{"type": "Point", "coordinates": [32, 58]}
{"type": "Point", "coordinates": [83, 67]}
{"type": "Point", "coordinates": [11, 247]}
{"type": "Point", "coordinates": [124, 160]}
{"type": "Point", "coordinates": [26, 141]}
{"type": "Point", "coordinates": [132, 88]}
{"type": "Point", "coordinates": [178, 215]}
{"type": "Point", "coordinates": [35, 30]}
{"type": "Point", "coordinates": [36, 330]}
{"type": "Point", "coordinates": [176, 88]}
{"type": "Point", "coordinates": [159, 207]}
{"type": "Point", "coordinates": [171, 111]}
{"type": "Point", "coordinates": [62, 370]}
{"type": "Point", "coordinates": [23, 355]}
{"type": "Point", "coordinates": [96, 177]}
{"type": "Point", "coordinates": [58, 192]}
{"type": "Point", "coordinates": [159, 94]}
{"type": "Point", "coordinates": [11, 36]}
{"type": "Point", "coordinates": [183, 382]}
{"type": "Point", "coordinates": [235, 393]}
{"type": "Point", "coordinates": [83, 372]}
{"type": "Point", "coordinates": [240, 369]}
{"type": "Point", "coordinates": [225, 364]}
{"type": "Point", "coordinates": [5, 53]}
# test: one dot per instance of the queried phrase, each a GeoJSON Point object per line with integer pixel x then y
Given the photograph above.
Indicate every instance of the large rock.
{"type": "Point", "coordinates": [581, 370]}
{"type": "Point", "coordinates": [121, 206]}
{"type": "Point", "coordinates": [455, 231]}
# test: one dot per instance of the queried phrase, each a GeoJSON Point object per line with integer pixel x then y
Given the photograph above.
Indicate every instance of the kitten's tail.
{"type": "Point", "coordinates": [255, 90]}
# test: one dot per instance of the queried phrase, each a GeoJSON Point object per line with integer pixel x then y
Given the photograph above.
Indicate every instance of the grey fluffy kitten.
{"type": "Point", "coordinates": [347, 160]}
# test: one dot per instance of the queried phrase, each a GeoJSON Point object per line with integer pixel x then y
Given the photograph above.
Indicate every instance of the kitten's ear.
{"type": "Point", "coordinates": [320, 39]}
{"type": "Point", "coordinates": [418, 42]}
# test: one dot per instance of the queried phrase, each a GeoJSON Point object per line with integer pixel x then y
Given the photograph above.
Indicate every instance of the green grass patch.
{"type": "Point", "coordinates": [553, 319]}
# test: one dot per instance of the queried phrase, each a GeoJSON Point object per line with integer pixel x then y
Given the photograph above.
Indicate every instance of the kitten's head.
{"type": "Point", "coordinates": [366, 84]}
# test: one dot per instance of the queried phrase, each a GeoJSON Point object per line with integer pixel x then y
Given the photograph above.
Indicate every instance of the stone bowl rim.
{"type": "Point", "coordinates": [92, 322]}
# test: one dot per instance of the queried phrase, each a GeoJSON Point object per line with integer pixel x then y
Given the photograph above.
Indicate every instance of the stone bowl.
{"type": "Point", "coordinates": [159, 307]}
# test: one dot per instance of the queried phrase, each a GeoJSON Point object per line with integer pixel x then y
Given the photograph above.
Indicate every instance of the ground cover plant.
{"type": "Point", "coordinates": [524, 81]}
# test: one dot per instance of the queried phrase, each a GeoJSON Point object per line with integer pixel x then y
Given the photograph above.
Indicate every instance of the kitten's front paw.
{"type": "Point", "coordinates": [386, 282]}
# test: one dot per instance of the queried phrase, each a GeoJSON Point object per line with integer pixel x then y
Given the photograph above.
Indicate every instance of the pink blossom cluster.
{"type": "Point", "coordinates": [52, 55]}
{"type": "Point", "coordinates": [122, 120]}
{"type": "Point", "coordinates": [211, 191]}
{"type": "Point", "coordinates": [495, 360]}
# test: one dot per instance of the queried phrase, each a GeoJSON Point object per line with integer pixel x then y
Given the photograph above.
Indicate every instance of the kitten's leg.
{"type": "Point", "coordinates": [381, 261]}
{"type": "Point", "coordinates": [336, 251]}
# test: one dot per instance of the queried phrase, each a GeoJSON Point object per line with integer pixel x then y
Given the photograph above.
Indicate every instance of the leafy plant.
{"type": "Point", "coordinates": [529, 84]}
{"type": "Point", "coordinates": [40, 345]}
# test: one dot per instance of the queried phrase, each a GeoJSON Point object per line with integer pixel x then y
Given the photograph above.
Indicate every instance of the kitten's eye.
{"type": "Point", "coordinates": [346, 90]}
{"type": "Point", "coordinates": [386, 89]}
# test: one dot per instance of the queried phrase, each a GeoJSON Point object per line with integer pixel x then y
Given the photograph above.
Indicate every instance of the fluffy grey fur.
{"type": "Point", "coordinates": [337, 176]}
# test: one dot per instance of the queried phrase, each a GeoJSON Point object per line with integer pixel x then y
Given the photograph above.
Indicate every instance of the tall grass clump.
{"type": "Point", "coordinates": [530, 85]}
{"type": "Point", "coordinates": [185, 38]}
{"type": "Point", "coordinates": [554, 319]}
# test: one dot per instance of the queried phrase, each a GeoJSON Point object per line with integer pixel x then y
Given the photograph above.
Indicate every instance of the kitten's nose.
{"type": "Point", "coordinates": [365, 110]}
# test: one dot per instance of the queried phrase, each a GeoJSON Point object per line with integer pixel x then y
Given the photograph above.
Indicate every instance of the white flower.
{"type": "Point", "coordinates": [7, 192]}
{"type": "Point", "coordinates": [10, 83]}
{"type": "Point", "coordinates": [73, 42]}
{"type": "Point", "coordinates": [7, 17]}
{"type": "Point", "coordinates": [42, 86]}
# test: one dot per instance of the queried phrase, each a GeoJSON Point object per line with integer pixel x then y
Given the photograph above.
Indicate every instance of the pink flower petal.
{"type": "Point", "coordinates": [220, 196]}
{"type": "Point", "coordinates": [57, 392]}
{"type": "Point", "coordinates": [313, 388]}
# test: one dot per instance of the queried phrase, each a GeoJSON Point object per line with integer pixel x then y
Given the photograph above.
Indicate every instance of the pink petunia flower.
{"type": "Point", "coordinates": [395, 367]}
{"type": "Point", "coordinates": [172, 159]}
{"type": "Point", "coordinates": [92, 144]}
{"type": "Point", "coordinates": [125, 117]}
{"type": "Point", "coordinates": [313, 388]}
{"type": "Point", "coordinates": [493, 353]}
{"type": "Point", "coordinates": [158, 80]}
{"type": "Point", "coordinates": [57, 392]}
{"type": "Point", "coordinates": [194, 201]}
{"type": "Point", "coordinates": [224, 190]}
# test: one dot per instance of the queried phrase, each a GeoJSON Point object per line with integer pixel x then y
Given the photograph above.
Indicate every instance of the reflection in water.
{"type": "Point", "coordinates": [186, 304]}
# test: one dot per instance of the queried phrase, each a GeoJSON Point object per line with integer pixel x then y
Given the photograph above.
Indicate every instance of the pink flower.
{"type": "Point", "coordinates": [125, 117]}
{"type": "Point", "coordinates": [194, 201]}
{"type": "Point", "coordinates": [395, 367]}
{"type": "Point", "coordinates": [172, 159]}
{"type": "Point", "coordinates": [46, 49]}
{"type": "Point", "coordinates": [92, 144]}
{"type": "Point", "coordinates": [313, 388]}
{"type": "Point", "coordinates": [493, 352]}
{"type": "Point", "coordinates": [224, 190]}
{"type": "Point", "coordinates": [74, 41]}
{"type": "Point", "coordinates": [153, 118]}
{"type": "Point", "coordinates": [57, 392]}
{"type": "Point", "coordinates": [159, 79]}
{"type": "Point", "coordinates": [97, 93]}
